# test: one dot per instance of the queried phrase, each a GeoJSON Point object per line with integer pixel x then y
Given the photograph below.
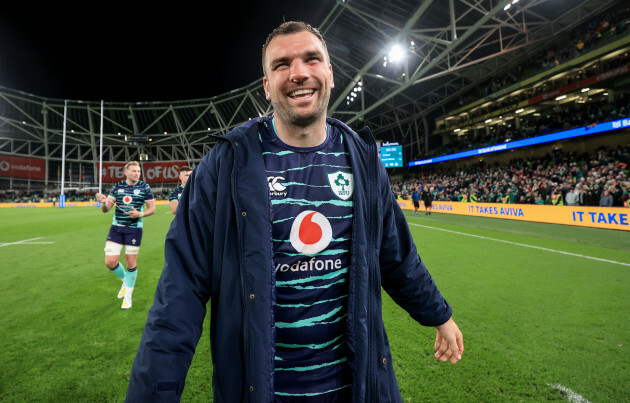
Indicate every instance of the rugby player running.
{"type": "Point", "coordinates": [128, 197]}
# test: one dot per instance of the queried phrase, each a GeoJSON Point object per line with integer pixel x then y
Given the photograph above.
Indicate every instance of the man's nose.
{"type": "Point", "coordinates": [299, 72]}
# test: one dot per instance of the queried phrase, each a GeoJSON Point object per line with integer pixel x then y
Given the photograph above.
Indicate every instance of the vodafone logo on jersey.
{"type": "Point", "coordinates": [127, 199]}
{"type": "Point", "coordinates": [311, 232]}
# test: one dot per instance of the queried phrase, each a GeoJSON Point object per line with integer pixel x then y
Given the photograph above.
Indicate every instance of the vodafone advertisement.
{"type": "Point", "coordinates": [152, 171]}
{"type": "Point", "coordinates": [22, 167]}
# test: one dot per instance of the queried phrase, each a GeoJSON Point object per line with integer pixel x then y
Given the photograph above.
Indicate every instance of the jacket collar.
{"type": "Point", "coordinates": [247, 130]}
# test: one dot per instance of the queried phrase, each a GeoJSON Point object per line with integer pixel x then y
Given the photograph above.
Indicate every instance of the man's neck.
{"type": "Point", "coordinates": [303, 137]}
{"type": "Point", "coordinates": [131, 183]}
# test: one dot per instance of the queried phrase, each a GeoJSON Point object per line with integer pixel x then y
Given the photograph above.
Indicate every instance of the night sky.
{"type": "Point", "coordinates": [140, 53]}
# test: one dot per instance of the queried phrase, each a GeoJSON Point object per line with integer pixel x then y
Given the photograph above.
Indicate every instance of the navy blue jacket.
{"type": "Point", "coordinates": [219, 247]}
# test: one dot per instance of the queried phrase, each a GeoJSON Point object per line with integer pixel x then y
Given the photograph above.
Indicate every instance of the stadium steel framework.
{"type": "Point", "coordinates": [450, 46]}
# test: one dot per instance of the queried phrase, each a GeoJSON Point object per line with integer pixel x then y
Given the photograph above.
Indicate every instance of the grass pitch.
{"type": "Point", "coordinates": [544, 310]}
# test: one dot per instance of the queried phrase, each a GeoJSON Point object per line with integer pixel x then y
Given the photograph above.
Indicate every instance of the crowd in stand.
{"type": "Point", "coordinates": [560, 178]}
{"type": "Point", "coordinates": [39, 196]}
{"type": "Point", "coordinates": [567, 116]}
{"type": "Point", "coordinates": [571, 116]}
{"type": "Point", "coordinates": [508, 103]}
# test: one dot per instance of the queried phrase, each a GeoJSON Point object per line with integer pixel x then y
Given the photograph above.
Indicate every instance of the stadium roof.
{"type": "Point", "coordinates": [448, 47]}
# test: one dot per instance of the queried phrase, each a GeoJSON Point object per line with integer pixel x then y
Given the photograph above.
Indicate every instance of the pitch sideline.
{"type": "Point", "coordinates": [525, 245]}
{"type": "Point", "coordinates": [24, 242]}
{"type": "Point", "coordinates": [570, 395]}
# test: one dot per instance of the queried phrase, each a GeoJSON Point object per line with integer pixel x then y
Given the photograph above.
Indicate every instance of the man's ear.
{"type": "Point", "coordinates": [266, 87]}
{"type": "Point", "coordinates": [332, 79]}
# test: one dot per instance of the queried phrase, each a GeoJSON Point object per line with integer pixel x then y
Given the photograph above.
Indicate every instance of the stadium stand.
{"type": "Point", "coordinates": [581, 83]}
{"type": "Point", "coordinates": [548, 93]}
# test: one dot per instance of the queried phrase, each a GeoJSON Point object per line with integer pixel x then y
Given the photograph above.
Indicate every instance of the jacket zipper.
{"type": "Point", "coordinates": [372, 390]}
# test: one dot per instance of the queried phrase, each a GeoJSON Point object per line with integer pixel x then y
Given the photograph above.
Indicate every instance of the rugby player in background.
{"type": "Point", "coordinates": [176, 194]}
{"type": "Point", "coordinates": [129, 197]}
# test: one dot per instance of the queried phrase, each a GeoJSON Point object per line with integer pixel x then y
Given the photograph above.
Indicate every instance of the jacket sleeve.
{"type": "Point", "coordinates": [175, 320]}
{"type": "Point", "coordinates": [403, 274]}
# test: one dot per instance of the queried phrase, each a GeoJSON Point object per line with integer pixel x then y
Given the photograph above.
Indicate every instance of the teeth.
{"type": "Point", "coordinates": [301, 92]}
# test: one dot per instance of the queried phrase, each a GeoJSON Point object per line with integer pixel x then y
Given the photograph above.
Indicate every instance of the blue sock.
{"type": "Point", "coordinates": [132, 274]}
{"type": "Point", "coordinates": [119, 271]}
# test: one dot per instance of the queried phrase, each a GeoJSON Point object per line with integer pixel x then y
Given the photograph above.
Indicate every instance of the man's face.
{"type": "Point", "coordinates": [132, 173]}
{"type": "Point", "coordinates": [183, 176]}
{"type": "Point", "coordinates": [298, 78]}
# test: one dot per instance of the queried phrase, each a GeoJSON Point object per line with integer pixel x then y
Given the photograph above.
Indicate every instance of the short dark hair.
{"type": "Point", "coordinates": [290, 28]}
{"type": "Point", "coordinates": [185, 169]}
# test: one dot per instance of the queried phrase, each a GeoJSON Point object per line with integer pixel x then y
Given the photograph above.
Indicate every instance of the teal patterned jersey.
{"type": "Point", "coordinates": [176, 194]}
{"type": "Point", "coordinates": [312, 209]}
{"type": "Point", "coordinates": [128, 196]}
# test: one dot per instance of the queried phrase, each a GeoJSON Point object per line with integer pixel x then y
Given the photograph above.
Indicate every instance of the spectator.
{"type": "Point", "coordinates": [573, 198]}
{"type": "Point", "coordinates": [606, 200]}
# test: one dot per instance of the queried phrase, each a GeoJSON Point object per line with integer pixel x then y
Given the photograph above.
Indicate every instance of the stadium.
{"type": "Point", "coordinates": [514, 116]}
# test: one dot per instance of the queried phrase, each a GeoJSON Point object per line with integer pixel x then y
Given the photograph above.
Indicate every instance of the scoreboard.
{"type": "Point", "coordinates": [391, 155]}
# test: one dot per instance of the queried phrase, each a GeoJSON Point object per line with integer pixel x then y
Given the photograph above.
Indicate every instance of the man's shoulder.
{"type": "Point", "coordinates": [363, 135]}
{"type": "Point", "coordinates": [244, 137]}
{"type": "Point", "coordinates": [117, 185]}
{"type": "Point", "coordinates": [244, 130]}
{"type": "Point", "coordinates": [143, 185]}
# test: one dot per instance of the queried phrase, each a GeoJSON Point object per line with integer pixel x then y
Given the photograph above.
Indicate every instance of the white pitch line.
{"type": "Point", "coordinates": [525, 245]}
{"type": "Point", "coordinates": [570, 395]}
{"type": "Point", "coordinates": [21, 242]}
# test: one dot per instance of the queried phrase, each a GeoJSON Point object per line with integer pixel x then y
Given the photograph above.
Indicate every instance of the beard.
{"type": "Point", "coordinates": [301, 119]}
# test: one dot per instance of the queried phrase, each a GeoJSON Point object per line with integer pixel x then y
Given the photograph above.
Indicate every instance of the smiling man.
{"type": "Point", "coordinates": [289, 226]}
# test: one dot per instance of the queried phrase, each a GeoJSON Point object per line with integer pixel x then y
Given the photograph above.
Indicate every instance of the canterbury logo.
{"type": "Point", "coordinates": [275, 185]}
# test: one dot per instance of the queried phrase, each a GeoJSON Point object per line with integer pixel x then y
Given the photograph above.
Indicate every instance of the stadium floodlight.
{"type": "Point", "coordinates": [519, 110]}
{"type": "Point", "coordinates": [561, 97]}
{"type": "Point", "coordinates": [396, 54]}
{"type": "Point", "coordinates": [510, 5]}
{"type": "Point", "coordinates": [586, 89]}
